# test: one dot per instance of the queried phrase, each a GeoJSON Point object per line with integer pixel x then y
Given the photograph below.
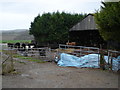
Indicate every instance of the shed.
{"type": "Point", "coordinates": [86, 32]}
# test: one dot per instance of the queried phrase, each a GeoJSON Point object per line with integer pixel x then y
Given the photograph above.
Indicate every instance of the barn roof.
{"type": "Point", "coordinates": [88, 23]}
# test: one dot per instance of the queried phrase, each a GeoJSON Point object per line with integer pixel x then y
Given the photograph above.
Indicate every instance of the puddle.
{"type": "Point", "coordinates": [25, 75]}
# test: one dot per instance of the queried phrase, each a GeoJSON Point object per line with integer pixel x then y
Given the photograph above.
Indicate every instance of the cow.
{"type": "Point", "coordinates": [71, 43]}
{"type": "Point", "coordinates": [23, 45]}
{"type": "Point", "coordinates": [11, 45]}
{"type": "Point", "coordinates": [17, 45]}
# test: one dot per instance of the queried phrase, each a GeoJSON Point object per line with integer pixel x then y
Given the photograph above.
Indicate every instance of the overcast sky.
{"type": "Point", "coordinates": [18, 14]}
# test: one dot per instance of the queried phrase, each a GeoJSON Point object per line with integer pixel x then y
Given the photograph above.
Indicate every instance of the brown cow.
{"type": "Point", "coordinates": [71, 43]}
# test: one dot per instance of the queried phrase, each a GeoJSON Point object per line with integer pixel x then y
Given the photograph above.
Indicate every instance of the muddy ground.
{"type": "Point", "coordinates": [48, 75]}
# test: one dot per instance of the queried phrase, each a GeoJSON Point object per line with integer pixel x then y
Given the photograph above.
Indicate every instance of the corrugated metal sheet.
{"type": "Point", "coordinates": [88, 23]}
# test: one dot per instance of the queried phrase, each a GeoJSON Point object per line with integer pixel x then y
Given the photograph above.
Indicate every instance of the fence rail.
{"type": "Point", "coordinates": [82, 50]}
{"type": "Point", "coordinates": [74, 50]}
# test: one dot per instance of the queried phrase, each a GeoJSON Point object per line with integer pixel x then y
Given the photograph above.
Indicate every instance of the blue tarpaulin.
{"type": "Point", "coordinates": [90, 60]}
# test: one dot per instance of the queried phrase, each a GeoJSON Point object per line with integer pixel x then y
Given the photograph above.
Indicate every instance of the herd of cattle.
{"type": "Point", "coordinates": [26, 46]}
{"type": "Point", "coordinates": [21, 46]}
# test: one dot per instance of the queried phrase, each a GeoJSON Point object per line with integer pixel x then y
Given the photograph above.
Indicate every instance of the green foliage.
{"type": "Point", "coordinates": [53, 27]}
{"type": "Point", "coordinates": [108, 20]}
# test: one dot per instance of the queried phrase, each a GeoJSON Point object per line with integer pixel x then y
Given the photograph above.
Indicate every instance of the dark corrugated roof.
{"type": "Point", "coordinates": [88, 23]}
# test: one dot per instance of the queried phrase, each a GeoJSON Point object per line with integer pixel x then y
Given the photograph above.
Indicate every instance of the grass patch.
{"type": "Point", "coordinates": [29, 59]}
{"type": "Point", "coordinates": [21, 62]}
{"type": "Point", "coordinates": [14, 41]}
{"type": "Point", "coordinates": [21, 57]}
{"type": "Point", "coordinates": [16, 56]}
{"type": "Point", "coordinates": [37, 60]}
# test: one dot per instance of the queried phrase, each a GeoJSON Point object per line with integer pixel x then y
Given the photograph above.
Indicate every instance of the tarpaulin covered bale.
{"type": "Point", "coordinates": [91, 60]}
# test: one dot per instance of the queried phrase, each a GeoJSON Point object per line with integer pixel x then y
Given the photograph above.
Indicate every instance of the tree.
{"type": "Point", "coordinates": [53, 27]}
{"type": "Point", "coordinates": [108, 21]}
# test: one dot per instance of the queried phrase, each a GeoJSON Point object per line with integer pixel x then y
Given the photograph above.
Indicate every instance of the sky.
{"type": "Point", "coordinates": [18, 14]}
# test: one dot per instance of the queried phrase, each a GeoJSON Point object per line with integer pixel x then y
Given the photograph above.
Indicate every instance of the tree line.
{"type": "Point", "coordinates": [54, 27]}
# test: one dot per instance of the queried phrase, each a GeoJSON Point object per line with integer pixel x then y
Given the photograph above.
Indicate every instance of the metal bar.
{"type": "Point", "coordinates": [5, 60]}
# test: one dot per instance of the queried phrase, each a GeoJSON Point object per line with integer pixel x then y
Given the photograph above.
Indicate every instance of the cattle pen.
{"type": "Point", "coordinates": [48, 54]}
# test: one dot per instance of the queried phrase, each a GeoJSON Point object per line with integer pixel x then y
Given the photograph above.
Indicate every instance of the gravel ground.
{"type": "Point", "coordinates": [49, 75]}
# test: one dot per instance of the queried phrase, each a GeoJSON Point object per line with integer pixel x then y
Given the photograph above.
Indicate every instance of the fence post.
{"type": "Point", "coordinates": [59, 46]}
{"type": "Point", "coordinates": [80, 52]}
{"type": "Point", "coordinates": [11, 58]}
{"type": "Point", "coordinates": [111, 62]}
{"type": "Point", "coordinates": [108, 59]}
{"type": "Point", "coordinates": [102, 61]}
{"type": "Point", "coordinates": [98, 57]}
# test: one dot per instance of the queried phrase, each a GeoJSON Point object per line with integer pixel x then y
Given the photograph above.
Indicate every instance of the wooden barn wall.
{"type": "Point", "coordinates": [86, 24]}
{"type": "Point", "coordinates": [87, 38]}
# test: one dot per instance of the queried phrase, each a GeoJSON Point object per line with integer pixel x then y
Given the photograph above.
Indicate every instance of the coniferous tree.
{"type": "Point", "coordinates": [108, 21]}
{"type": "Point", "coordinates": [53, 27]}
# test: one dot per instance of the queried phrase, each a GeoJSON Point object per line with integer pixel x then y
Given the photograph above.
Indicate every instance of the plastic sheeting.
{"type": "Point", "coordinates": [91, 60]}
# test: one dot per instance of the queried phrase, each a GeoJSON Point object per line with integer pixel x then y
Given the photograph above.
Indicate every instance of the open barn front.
{"type": "Point", "coordinates": [86, 33]}
{"type": "Point", "coordinates": [87, 38]}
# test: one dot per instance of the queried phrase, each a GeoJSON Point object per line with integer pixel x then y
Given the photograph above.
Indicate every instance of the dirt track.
{"type": "Point", "coordinates": [49, 75]}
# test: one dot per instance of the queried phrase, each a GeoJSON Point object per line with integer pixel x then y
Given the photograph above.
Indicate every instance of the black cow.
{"type": "Point", "coordinates": [17, 45]}
{"type": "Point", "coordinates": [11, 45]}
{"type": "Point", "coordinates": [23, 46]}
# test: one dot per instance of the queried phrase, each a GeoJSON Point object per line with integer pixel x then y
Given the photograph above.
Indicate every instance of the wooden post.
{"type": "Point", "coordinates": [11, 58]}
{"type": "Point", "coordinates": [59, 46]}
{"type": "Point", "coordinates": [111, 61]}
{"type": "Point", "coordinates": [108, 60]}
{"type": "Point", "coordinates": [98, 57]}
{"type": "Point", "coordinates": [102, 61]}
{"type": "Point", "coordinates": [80, 52]}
